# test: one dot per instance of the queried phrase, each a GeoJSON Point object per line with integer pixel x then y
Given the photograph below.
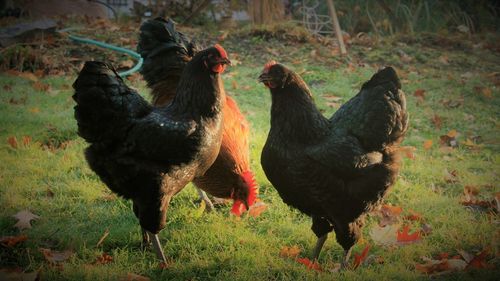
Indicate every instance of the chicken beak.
{"type": "Point", "coordinates": [226, 61]}
{"type": "Point", "coordinates": [264, 77]}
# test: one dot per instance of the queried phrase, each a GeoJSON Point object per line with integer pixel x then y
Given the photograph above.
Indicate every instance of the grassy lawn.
{"type": "Point", "coordinates": [49, 176]}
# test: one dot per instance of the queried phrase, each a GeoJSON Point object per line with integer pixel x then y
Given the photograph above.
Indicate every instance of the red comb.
{"type": "Point", "coordinates": [268, 65]}
{"type": "Point", "coordinates": [238, 206]}
{"type": "Point", "coordinates": [221, 50]}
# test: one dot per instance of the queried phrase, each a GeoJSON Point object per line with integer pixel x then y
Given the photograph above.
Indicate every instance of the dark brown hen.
{"type": "Point", "coordinates": [148, 154]}
{"type": "Point", "coordinates": [334, 170]}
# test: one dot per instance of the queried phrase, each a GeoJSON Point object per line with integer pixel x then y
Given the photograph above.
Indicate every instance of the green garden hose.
{"type": "Point", "coordinates": [114, 48]}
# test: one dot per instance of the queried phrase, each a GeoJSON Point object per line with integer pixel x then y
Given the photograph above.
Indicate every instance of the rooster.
{"type": "Point", "coordinates": [145, 153]}
{"type": "Point", "coordinates": [334, 170]}
{"type": "Point", "coordinates": [166, 52]}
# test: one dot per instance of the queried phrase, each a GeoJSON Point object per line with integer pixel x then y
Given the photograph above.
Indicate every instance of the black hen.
{"type": "Point", "coordinates": [148, 154]}
{"type": "Point", "coordinates": [337, 169]}
{"type": "Point", "coordinates": [165, 52]}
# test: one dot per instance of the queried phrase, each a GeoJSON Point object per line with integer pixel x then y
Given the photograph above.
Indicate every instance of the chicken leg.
{"type": "Point", "coordinates": [204, 197]}
{"type": "Point", "coordinates": [319, 245]}
{"type": "Point", "coordinates": [157, 246]}
{"type": "Point", "coordinates": [345, 260]}
{"type": "Point", "coordinates": [145, 239]}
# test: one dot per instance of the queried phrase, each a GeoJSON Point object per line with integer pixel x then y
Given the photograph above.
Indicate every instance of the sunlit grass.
{"type": "Point", "coordinates": [75, 208]}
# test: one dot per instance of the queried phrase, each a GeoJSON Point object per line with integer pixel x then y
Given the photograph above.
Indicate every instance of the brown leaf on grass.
{"type": "Point", "coordinates": [7, 88]}
{"type": "Point", "coordinates": [389, 214]}
{"type": "Point", "coordinates": [26, 75]}
{"type": "Point", "coordinates": [332, 97]}
{"type": "Point", "coordinates": [134, 277]}
{"type": "Point", "coordinates": [408, 151]}
{"type": "Point", "coordinates": [451, 176]}
{"type": "Point", "coordinates": [40, 86]}
{"type": "Point", "coordinates": [104, 258]}
{"type": "Point", "coordinates": [444, 59]}
{"type": "Point", "coordinates": [359, 259]}
{"type": "Point", "coordinates": [309, 264]}
{"type": "Point", "coordinates": [404, 236]}
{"type": "Point", "coordinates": [485, 91]}
{"type": "Point", "coordinates": [257, 209]}
{"type": "Point", "coordinates": [446, 140]}
{"type": "Point", "coordinates": [11, 241]}
{"type": "Point", "coordinates": [290, 252]}
{"type": "Point", "coordinates": [437, 121]}
{"type": "Point", "coordinates": [479, 261]}
{"type": "Point", "coordinates": [17, 274]}
{"type": "Point", "coordinates": [12, 141]}
{"type": "Point", "coordinates": [24, 219]}
{"type": "Point", "coordinates": [438, 267]}
{"type": "Point", "coordinates": [420, 95]}
{"type": "Point", "coordinates": [55, 257]}
{"type": "Point", "coordinates": [104, 235]}
{"type": "Point", "coordinates": [452, 103]}
{"type": "Point", "coordinates": [26, 140]}
{"type": "Point", "coordinates": [333, 104]}
{"type": "Point", "coordinates": [386, 235]}
{"type": "Point", "coordinates": [413, 216]}
{"type": "Point", "coordinates": [427, 144]}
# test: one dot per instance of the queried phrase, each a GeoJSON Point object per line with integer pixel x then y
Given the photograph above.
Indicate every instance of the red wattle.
{"type": "Point", "coordinates": [219, 68]}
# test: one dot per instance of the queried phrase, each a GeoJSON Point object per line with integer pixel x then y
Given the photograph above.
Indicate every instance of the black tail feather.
{"type": "Point", "coordinates": [387, 74]}
{"type": "Point", "coordinates": [165, 51]}
{"type": "Point", "coordinates": [105, 105]}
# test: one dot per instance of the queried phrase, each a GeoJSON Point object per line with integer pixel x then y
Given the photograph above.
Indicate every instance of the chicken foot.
{"type": "Point", "coordinates": [203, 196]}
{"type": "Point", "coordinates": [345, 260]}
{"type": "Point", "coordinates": [145, 239]}
{"type": "Point", "coordinates": [157, 246]}
{"type": "Point", "coordinates": [319, 245]}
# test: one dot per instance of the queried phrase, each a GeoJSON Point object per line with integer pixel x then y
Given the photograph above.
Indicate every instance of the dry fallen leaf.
{"type": "Point", "coordinates": [26, 75]}
{"type": "Point", "coordinates": [11, 241]}
{"type": "Point", "coordinates": [389, 214]}
{"type": "Point", "coordinates": [405, 237]}
{"type": "Point", "coordinates": [24, 219]}
{"type": "Point", "coordinates": [437, 121]}
{"type": "Point", "coordinates": [12, 141]}
{"type": "Point", "coordinates": [420, 95]}
{"type": "Point", "coordinates": [26, 140]}
{"type": "Point", "coordinates": [451, 176]}
{"type": "Point", "coordinates": [359, 259]}
{"type": "Point", "coordinates": [257, 209]}
{"type": "Point", "coordinates": [408, 151]}
{"type": "Point", "coordinates": [438, 267]}
{"type": "Point", "coordinates": [104, 258]}
{"type": "Point", "coordinates": [290, 252]}
{"type": "Point", "coordinates": [427, 144]}
{"type": "Point", "coordinates": [385, 236]}
{"type": "Point", "coordinates": [134, 277]}
{"type": "Point", "coordinates": [413, 216]}
{"type": "Point", "coordinates": [309, 264]}
{"type": "Point", "coordinates": [55, 257]}
{"type": "Point", "coordinates": [40, 86]}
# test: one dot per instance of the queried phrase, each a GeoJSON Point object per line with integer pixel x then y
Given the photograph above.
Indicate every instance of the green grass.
{"type": "Point", "coordinates": [217, 246]}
